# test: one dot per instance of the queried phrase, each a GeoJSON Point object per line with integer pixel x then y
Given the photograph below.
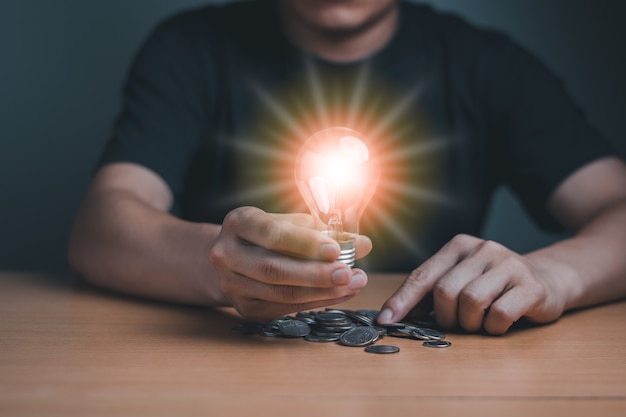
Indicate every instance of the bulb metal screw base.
{"type": "Point", "coordinates": [348, 253]}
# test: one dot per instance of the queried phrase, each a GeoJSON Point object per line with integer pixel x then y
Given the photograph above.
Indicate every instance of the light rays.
{"type": "Point", "coordinates": [417, 193]}
{"type": "Point", "coordinates": [430, 145]}
{"type": "Point", "coordinates": [279, 111]}
{"type": "Point", "coordinates": [400, 233]}
{"type": "Point", "coordinates": [358, 93]}
{"type": "Point", "coordinates": [243, 197]}
{"type": "Point", "coordinates": [318, 100]}
{"type": "Point", "coordinates": [396, 111]}
{"type": "Point", "coordinates": [317, 91]}
{"type": "Point", "coordinates": [247, 145]}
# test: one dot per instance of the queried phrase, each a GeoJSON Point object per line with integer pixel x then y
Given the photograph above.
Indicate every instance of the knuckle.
{"type": "Point", "coordinates": [233, 219]}
{"type": "Point", "coordinates": [273, 232]}
{"type": "Point", "coordinates": [444, 291]}
{"type": "Point", "coordinates": [319, 277]}
{"type": "Point", "coordinates": [462, 241]}
{"type": "Point", "coordinates": [417, 278]}
{"type": "Point", "coordinates": [273, 270]}
{"type": "Point", "coordinates": [470, 298]}
{"type": "Point", "coordinates": [288, 293]}
{"type": "Point", "coordinates": [414, 285]}
{"type": "Point", "coordinates": [217, 256]}
{"type": "Point", "coordinates": [494, 247]}
{"type": "Point", "coordinates": [501, 313]}
{"type": "Point", "coordinates": [238, 218]}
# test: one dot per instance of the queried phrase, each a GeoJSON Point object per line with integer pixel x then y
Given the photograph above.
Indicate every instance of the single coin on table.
{"type": "Point", "coordinates": [437, 343]}
{"type": "Point", "coordinates": [382, 349]}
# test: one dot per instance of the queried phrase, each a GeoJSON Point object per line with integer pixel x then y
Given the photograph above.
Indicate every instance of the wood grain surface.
{"type": "Point", "coordinates": [67, 349]}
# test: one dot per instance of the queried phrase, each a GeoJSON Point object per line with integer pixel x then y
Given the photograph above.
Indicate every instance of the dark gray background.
{"type": "Point", "coordinates": [62, 64]}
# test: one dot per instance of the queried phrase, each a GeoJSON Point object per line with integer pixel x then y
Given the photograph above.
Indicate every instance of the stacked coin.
{"type": "Point", "coordinates": [327, 326]}
{"type": "Point", "coordinates": [347, 327]}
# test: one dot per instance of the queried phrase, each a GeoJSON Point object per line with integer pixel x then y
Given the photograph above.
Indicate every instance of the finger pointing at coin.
{"type": "Point", "coordinates": [478, 284]}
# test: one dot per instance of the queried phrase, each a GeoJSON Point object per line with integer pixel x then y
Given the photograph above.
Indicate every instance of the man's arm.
{"type": "Point", "coordinates": [478, 284]}
{"type": "Point", "coordinates": [264, 264]}
{"type": "Point", "coordinates": [124, 239]}
{"type": "Point", "coordinates": [592, 202]}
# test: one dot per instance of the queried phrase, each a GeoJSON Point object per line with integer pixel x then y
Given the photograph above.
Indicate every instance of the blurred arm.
{"type": "Point", "coordinates": [124, 239]}
{"type": "Point", "coordinates": [591, 202]}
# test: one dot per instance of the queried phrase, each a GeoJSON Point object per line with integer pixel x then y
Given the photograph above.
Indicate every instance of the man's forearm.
{"type": "Point", "coordinates": [122, 243]}
{"type": "Point", "coordinates": [590, 268]}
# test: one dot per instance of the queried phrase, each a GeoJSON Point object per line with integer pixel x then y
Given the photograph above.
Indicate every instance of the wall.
{"type": "Point", "coordinates": [62, 64]}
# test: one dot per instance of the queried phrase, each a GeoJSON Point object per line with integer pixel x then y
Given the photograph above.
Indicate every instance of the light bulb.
{"type": "Point", "coordinates": [337, 176]}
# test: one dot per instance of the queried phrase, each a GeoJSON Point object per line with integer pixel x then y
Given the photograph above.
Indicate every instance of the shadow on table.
{"type": "Point", "coordinates": [176, 320]}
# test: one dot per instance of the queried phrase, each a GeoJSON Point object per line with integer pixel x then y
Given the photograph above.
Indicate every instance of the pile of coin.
{"type": "Point", "coordinates": [347, 327]}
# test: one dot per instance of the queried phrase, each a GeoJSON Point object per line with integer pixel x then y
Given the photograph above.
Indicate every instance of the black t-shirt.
{"type": "Point", "coordinates": [218, 102]}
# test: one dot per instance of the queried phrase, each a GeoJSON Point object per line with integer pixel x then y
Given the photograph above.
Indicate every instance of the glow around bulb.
{"type": "Point", "coordinates": [337, 176]}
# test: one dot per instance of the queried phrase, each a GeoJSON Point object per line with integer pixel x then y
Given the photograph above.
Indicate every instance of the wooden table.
{"type": "Point", "coordinates": [70, 350]}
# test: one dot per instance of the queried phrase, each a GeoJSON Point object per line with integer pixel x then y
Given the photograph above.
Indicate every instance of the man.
{"type": "Point", "coordinates": [218, 100]}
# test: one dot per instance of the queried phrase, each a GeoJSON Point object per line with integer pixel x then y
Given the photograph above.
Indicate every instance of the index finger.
{"type": "Point", "coordinates": [292, 235]}
{"type": "Point", "coordinates": [363, 244]}
{"type": "Point", "coordinates": [422, 280]}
